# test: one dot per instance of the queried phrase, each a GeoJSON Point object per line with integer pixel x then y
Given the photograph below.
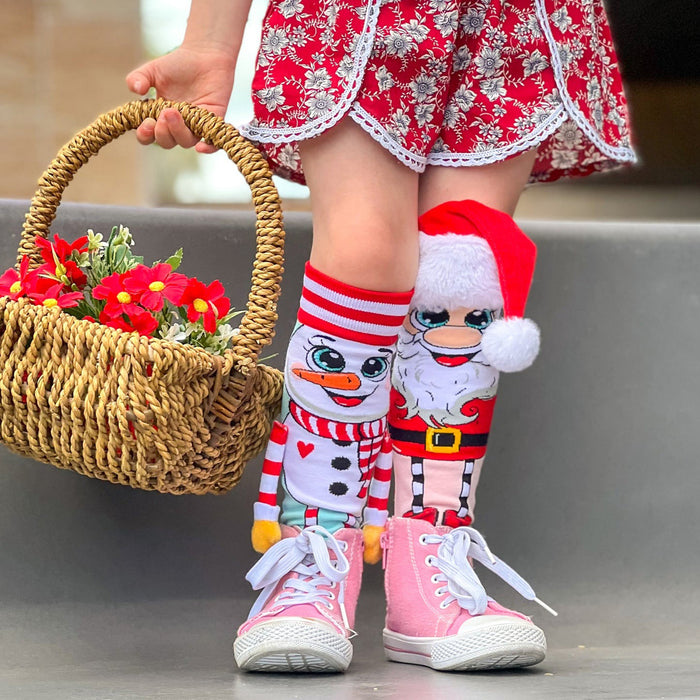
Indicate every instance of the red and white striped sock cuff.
{"type": "Point", "coordinates": [343, 311]}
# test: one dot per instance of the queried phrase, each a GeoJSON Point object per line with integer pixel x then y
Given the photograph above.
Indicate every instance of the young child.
{"type": "Point", "coordinates": [401, 116]}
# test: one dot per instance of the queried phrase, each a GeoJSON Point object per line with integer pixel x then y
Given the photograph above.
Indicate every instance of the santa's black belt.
{"type": "Point", "coordinates": [440, 440]}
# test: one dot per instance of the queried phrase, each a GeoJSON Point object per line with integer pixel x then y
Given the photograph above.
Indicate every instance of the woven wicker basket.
{"type": "Point", "coordinates": [148, 413]}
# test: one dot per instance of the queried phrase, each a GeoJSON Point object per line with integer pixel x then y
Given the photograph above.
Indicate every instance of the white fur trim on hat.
{"type": "Point", "coordinates": [511, 344]}
{"type": "Point", "coordinates": [456, 270]}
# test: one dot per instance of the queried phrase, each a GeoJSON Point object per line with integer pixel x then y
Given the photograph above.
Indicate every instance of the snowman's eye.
{"type": "Point", "coordinates": [374, 367]}
{"type": "Point", "coordinates": [432, 319]}
{"type": "Point", "coordinates": [328, 360]}
{"type": "Point", "coordinates": [479, 320]}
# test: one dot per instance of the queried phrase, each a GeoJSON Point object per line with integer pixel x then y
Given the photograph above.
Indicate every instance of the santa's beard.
{"type": "Point", "coordinates": [433, 391]}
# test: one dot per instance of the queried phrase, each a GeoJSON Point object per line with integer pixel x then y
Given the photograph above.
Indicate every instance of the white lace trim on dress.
{"type": "Point", "coordinates": [380, 134]}
{"type": "Point", "coordinates": [363, 50]}
{"type": "Point", "coordinates": [616, 152]}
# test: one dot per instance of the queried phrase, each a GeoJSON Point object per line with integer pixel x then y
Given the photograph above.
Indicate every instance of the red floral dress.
{"type": "Point", "coordinates": [444, 82]}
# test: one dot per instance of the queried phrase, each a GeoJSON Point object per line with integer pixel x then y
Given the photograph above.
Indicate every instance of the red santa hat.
{"type": "Point", "coordinates": [475, 256]}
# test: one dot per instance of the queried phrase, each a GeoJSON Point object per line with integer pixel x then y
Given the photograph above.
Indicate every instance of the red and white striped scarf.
{"type": "Point", "coordinates": [348, 432]}
{"type": "Point", "coordinates": [368, 435]}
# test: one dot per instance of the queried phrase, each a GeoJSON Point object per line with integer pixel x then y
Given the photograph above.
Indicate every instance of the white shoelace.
{"type": "Point", "coordinates": [307, 554]}
{"type": "Point", "coordinates": [463, 585]}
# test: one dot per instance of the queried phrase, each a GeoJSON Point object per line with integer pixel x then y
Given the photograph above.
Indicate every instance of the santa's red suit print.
{"type": "Point", "coordinates": [464, 326]}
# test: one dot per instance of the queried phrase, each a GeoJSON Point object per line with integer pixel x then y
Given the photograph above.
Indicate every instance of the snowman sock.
{"type": "Point", "coordinates": [333, 421]}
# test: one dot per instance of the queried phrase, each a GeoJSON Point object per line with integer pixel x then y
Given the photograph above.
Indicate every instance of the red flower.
{"type": "Point", "coordinates": [52, 296]}
{"type": "Point", "coordinates": [151, 285]}
{"type": "Point", "coordinates": [119, 301]}
{"type": "Point", "coordinates": [208, 302]}
{"type": "Point", "coordinates": [56, 254]}
{"type": "Point", "coordinates": [141, 321]}
{"type": "Point", "coordinates": [16, 284]}
{"type": "Point", "coordinates": [62, 248]}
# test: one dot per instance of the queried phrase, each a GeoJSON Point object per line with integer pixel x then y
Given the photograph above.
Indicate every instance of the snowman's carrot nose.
{"type": "Point", "coordinates": [331, 380]}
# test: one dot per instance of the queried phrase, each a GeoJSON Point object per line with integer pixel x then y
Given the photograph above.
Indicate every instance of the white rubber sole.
{"type": "Point", "coordinates": [490, 642]}
{"type": "Point", "coordinates": [292, 644]}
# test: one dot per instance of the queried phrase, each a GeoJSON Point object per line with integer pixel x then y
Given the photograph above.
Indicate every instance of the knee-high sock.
{"type": "Point", "coordinates": [464, 326]}
{"type": "Point", "coordinates": [333, 422]}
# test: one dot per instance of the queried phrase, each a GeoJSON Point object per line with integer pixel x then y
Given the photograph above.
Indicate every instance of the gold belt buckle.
{"type": "Point", "coordinates": [431, 433]}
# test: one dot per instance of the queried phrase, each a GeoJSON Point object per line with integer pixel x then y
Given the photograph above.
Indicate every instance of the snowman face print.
{"type": "Point", "coordinates": [338, 379]}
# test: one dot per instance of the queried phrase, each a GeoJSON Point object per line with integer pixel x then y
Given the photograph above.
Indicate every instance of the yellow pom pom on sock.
{"type": "Point", "coordinates": [264, 534]}
{"type": "Point", "coordinates": [373, 548]}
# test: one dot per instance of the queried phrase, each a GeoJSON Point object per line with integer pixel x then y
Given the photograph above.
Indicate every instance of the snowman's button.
{"type": "Point", "coordinates": [340, 463]}
{"type": "Point", "coordinates": [338, 488]}
{"type": "Point", "coordinates": [342, 443]}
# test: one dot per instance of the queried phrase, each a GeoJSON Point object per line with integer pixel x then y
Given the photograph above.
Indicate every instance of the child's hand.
{"type": "Point", "coordinates": [201, 77]}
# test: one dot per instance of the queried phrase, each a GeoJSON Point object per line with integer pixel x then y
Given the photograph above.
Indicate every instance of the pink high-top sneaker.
{"type": "Point", "coordinates": [438, 613]}
{"type": "Point", "coordinates": [303, 618]}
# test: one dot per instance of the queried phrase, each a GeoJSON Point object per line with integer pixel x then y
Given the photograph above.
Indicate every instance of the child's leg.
{"type": "Point", "coordinates": [473, 278]}
{"type": "Point", "coordinates": [337, 379]}
{"type": "Point", "coordinates": [498, 185]}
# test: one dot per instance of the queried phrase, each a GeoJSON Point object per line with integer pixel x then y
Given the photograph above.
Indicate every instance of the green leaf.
{"type": "Point", "coordinates": [175, 259]}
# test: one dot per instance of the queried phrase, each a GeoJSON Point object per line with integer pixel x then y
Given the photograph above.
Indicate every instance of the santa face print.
{"type": "Point", "coordinates": [439, 364]}
{"type": "Point", "coordinates": [337, 378]}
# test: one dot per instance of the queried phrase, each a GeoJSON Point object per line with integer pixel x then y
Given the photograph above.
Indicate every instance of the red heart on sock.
{"type": "Point", "coordinates": [305, 448]}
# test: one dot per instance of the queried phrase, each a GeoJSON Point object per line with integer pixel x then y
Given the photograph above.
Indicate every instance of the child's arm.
{"type": "Point", "coordinates": [200, 71]}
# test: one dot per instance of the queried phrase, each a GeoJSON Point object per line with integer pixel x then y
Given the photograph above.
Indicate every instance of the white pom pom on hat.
{"type": "Point", "coordinates": [475, 256]}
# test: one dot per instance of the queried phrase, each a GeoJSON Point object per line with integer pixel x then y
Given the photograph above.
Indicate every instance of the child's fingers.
{"type": "Point", "coordinates": [203, 147]}
{"type": "Point", "coordinates": [171, 130]}
{"type": "Point", "coordinates": [145, 132]}
{"type": "Point", "coordinates": [138, 81]}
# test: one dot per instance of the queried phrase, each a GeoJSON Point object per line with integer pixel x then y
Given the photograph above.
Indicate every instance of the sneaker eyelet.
{"type": "Point", "coordinates": [329, 606]}
{"type": "Point", "coordinates": [421, 540]}
{"type": "Point", "coordinates": [429, 560]}
{"type": "Point", "coordinates": [434, 578]}
{"type": "Point", "coordinates": [331, 595]}
{"type": "Point", "coordinates": [443, 605]}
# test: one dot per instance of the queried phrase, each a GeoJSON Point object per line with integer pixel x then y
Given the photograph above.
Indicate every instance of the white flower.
{"type": "Point", "coordinates": [461, 59]}
{"type": "Point", "coordinates": [451, 115]}
{"type": "Point", "coordinates": [438, 6]}
{"type": "Point", "coordinates": [594, 92]}
{"type": "Point", "coordinates": [176, 333]}
{"type": "Point", "coordinates": [440, 146]}
{"type": "Point", "coordinates": [473, 20]}
{"type": "Point", "coordinates": [568, 135]}
{"type": "Point", "coordinates": [289, 8]}
{"type": "Point", "coordinates": [560, 19]}
{"type": "Point", "coordinates": [320, 105]}
{"type": "Point", "coordinates": [288, 157]}
{"type": "Point", "coordinates": [492, 88]}
{"type": "Point", "coordinates": [464, 98]}
{"type": "Point", "coordinates": [564, 54]}
{"type": "Point", "coordinates": [317, 79]}
{"type": "Point", "coordinates": [274, 41]}
{"type": "Point", "coordinates": [490, 133]}
{"type": "Point", "coordinates": [562, 159]}
{"type": "Point", "coordinates": [398, 44]}
{"type": "Point", "coordinates": [401, 121]}
{"type": "Point", "coordinates": [271, 97]}
{"type": "Point", "coordinates": [488, 62]}
{"type": "Point", "coordinates": [446, 22]}
{"type": "Point", "coordinates": [423, 87]}
{"type": "Point", "coordinates": [424, 113]}
{"type": "Point", "coordinates": [535, 62]}
{"type": "Point", "coordinates": [345, 67]}
{"type": "Point", "coordinates": [416, 30]}
{"type": "Point", "coordinates": [533, 26]}
{"type": "Point", "coordinates": [496, 36]}
{"type": "Point", "coordinates": [385, 80]}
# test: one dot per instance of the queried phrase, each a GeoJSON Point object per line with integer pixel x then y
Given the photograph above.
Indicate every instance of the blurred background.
{"type": "Point", "coordinates": [63, 62]}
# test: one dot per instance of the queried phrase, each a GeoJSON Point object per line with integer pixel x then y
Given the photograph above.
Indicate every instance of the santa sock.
{"type": "Point", "coordinates": [333, 421]}
{"type": "Point", "coordinates": [464, 326]}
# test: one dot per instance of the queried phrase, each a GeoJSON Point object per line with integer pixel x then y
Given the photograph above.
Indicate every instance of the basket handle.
{"type": "Point", "coordinates": [257, 326]}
